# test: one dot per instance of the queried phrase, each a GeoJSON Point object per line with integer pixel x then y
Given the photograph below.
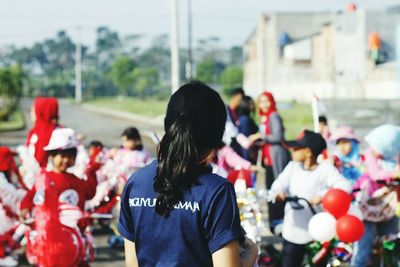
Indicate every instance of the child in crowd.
{"type": "Point", "coordinates": [8, 166]}
{"type": "Point", "coordinates": [123, 162]}
{"type": "Point", "coordinates": [45, 118]}
{"type": "Point", "coordinates": [377, 202]}
{"type": "Point", "coordinates": [247, 126]}
{"type": "Point", "coordinates": [94, 149]}
{"type": "Point", "coordinates": [228, 160]}
{"type": "Point", "coordinates": [347, 157]}
{"type": "Point", "coordinates": [62, 150]}
{"type": "Point", "coordinates": [232, 122]}
{"type": "Point", "coordinates": [324, 128]}
{"type": "Point", "coordinates": [303, 177]}
{"type": "Point", "coordinates": [53, 188]}
{"type": "Point", "coordinates": [9, 201]}
{"type": "Point", "coordinates": [131, 155]}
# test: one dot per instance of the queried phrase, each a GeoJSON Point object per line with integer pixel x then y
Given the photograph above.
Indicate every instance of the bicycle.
{"type": "Point", "coordinates": [331, 253]}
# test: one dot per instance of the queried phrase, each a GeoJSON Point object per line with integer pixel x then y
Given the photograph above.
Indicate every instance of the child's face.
{"type": "Point", "coordinates": [263, 103]}
{"type": "Point", "coordinates": [129, 143]}
{"type": "Point", "coordinates": [322, 126]}
{"type": "Point", "coordinates": [235, 100]}
{"type": "Point", "coordinates": [345, 147]}
{"type": "Point", "coordinates": [301, 154]}
{"type": "Point", "coordinates": [61, 162]}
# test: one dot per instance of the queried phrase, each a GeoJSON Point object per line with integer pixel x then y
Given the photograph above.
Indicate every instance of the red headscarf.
{"type": "Point", "coordinates": [46, 110]}
{"type": "Point", "coordinates": [265, 119]}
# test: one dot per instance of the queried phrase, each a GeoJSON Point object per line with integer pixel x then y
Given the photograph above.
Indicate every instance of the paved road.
{"type": "Point", "coordinates": [95, 126]}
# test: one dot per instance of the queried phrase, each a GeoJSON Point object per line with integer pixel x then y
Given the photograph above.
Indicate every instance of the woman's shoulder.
{"type": "Point", "coordinates": [212, 179]}
{"type": "Point", "coordinates": [275, 116]}
{"type": "Point", "coordinates": [144, 174]}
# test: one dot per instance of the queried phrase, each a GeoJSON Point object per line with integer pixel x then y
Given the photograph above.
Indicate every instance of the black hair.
{"type": "Point", "coordinates": [236, 91]}
{"type": "Point", "coordinates": [67, 152]}
{"type": "Point", "coordinates": [245, 106]}
{"type": "Point", "coordinates": [132, 133]}
{"type": "Point", "coordinates": [323, 119]}
{"type": "Point", "coordinates": [96, 143]}
{"type": "Point", "coordinates": [194, 125]}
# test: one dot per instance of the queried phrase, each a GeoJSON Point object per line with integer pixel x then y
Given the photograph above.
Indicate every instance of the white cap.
{"type": "Point", "coordinates": [62, 138]}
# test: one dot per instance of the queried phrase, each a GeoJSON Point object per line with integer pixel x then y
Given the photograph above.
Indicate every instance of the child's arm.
{"type": "Point", "coordinates": [233, 159]}
{"type": "Point", "coordinates": [91, 182]}
{"type": "Point", "coordinates": [27, 203]}
{"type": "Point", "coordinates": [130, 254]}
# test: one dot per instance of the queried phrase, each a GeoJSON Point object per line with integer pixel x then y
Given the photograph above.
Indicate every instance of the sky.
{"type": "Point", "coordinates": [23, 22]}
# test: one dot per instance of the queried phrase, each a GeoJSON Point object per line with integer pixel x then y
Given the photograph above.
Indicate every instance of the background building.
{"type": "Point", "coordinates": [349, 54]}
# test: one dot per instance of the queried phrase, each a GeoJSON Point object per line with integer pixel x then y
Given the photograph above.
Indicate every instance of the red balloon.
{"type": "Point", "coordinates": [336, 202]}
{"type": "Point", "coordinates": [349, 228]}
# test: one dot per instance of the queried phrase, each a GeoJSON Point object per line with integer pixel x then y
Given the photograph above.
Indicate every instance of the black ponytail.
{"type": "Point", "coordinates": [194, 125]}
{"type": "Point", "coordinates": [177, 156]}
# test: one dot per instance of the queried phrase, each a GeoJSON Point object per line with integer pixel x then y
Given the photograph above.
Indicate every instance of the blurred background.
{"type": "Point", "coordinates": [115, 63]}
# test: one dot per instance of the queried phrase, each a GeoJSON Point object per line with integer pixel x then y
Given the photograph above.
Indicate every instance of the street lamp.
{"type": "Point", "coordinates": [174, 48]}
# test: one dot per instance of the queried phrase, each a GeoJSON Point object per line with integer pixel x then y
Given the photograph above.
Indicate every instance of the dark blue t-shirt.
{"type": "Point", "coordinates": [203, 222]}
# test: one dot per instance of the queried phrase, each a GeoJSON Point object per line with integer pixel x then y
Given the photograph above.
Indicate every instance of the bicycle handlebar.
{"type": "Point", "coordinates": [297, 200]}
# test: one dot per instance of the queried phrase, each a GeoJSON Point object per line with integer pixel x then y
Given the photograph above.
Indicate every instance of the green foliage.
{"type": "Point", "coordinates": [106, 70]}
{"type": "Point", "coordinates": [144, 79]}
{"type": "Point", "coordinates": [15, 121]}
{"type": "Point", "coordinates": [205, 71]}
{"type": "Point", "coordinates": [151, 107]}
{"type": "Point", "coordinates": [11, 84]}
{"type": "Point", "coordinates": [121, 74]}
{"type": "Point", "coordinates": [231, 78]}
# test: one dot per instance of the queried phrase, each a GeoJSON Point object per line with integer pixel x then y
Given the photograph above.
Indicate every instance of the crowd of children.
{"type": "Point", "coordinates": [47, 198]}
{"type": "Point", "coordinates": [59, 179]}
{"type": "Point", "coordinates": [319, 162]}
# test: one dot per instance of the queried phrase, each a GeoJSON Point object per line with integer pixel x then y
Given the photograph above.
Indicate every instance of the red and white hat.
{"type": "Point", "coordinates": [62, 138]}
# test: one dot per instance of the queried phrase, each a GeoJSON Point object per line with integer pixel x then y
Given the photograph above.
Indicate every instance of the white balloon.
{"type": "Point", "coordinates": [322, 227]}
{"type": "Point", "coordinates": [356, 211]}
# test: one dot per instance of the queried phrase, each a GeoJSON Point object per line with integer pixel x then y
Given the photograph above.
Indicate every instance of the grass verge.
{"type": "Point", "coordinates": [16, 122]}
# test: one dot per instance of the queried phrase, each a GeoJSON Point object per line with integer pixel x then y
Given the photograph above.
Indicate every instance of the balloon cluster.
{"type": "Point", "coordinates": [340, 219]}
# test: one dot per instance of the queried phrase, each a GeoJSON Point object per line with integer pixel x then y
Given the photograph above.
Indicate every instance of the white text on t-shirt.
{"type": "Point", "coordinates": [151, 202]}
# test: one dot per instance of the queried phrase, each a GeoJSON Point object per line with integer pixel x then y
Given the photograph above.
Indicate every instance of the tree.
{"type": "Point", "coordinates": [205, 71]}
{"type": "Point", "coordinates": [236, 55]}
{"type": "Point", "coordinates": [145, 79]}
{"type": "Point", "coordinates": [11, 83]}
{"type": "Point", "coordinates": [121, 74]}
{"type": "Point", "coordinates": [231, 78]}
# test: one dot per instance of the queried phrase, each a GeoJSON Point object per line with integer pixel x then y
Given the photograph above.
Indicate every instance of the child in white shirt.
{"type": "Point", "coordinates": [303, 177]}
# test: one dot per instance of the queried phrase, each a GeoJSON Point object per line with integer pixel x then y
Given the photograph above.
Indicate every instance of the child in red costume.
{"type": "Point", "coordinates": [52, 189]}
{"type": "Point", "coordinates": [8, 166]}
{"type": "Point", "coordinates": [71, 189]}
{"type": "Point", "coordinates": [45, 118]}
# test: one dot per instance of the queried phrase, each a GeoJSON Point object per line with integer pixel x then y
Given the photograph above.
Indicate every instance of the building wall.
{"type": "Point", "coordinates": [340, 65]}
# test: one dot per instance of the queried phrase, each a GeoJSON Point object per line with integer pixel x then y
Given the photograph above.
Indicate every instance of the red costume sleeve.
{"type": "Point", "coordinates": [27, 201]}
{"type": "Point", "coordinates": [91, 183]}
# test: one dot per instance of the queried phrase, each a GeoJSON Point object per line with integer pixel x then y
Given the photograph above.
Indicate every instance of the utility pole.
{"type": "Point", "coordinates": [189, 60]}
{"type": "Point", "coordinates": [78, 68]}
{"type": "Point", "coordinates": [174, 48]}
